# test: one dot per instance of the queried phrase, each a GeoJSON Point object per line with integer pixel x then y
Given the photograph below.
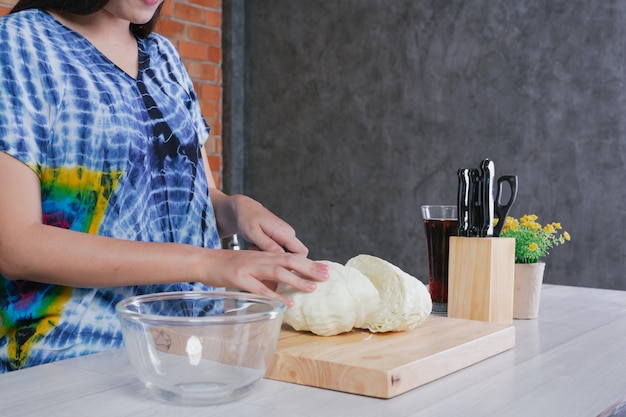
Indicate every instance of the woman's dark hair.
{"type": "Point", "coordinates": [85, 7]}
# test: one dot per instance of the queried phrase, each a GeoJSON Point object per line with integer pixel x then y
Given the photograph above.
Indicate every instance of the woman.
{"type": "Point", "coordinates": [105, 190]}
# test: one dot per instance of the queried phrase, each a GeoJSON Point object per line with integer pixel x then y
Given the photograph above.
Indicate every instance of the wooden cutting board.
{"type": "Point", "coordinates": [384, 365]}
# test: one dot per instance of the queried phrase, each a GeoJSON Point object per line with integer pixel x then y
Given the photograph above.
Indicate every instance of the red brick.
{"type": "Point", "coordinates": [218, 127]}
{"type": "Point", "coordinates": [167, 9]}
{"type": "Point", "coordinates": [188, 13]}
{"type": "Point", "coordinates": [193, 50]}
{"type": "Point", "coordinates": [215, 161]}
{"type": "Point", "coordinates": [218, 146]}
{"type": "Point", "coordinates": [209, 108]}
{"type": "Point", "coordinates": [211, 91]}
{"type": "Point", "coordinates": [212, 4]}
{"type": "Point", "coordinates": [204, 34]}
{"type": "Point", "coordinates": [213, 19]}
{"type": "Point", "coordinates": [215, 55]}
{"type": "Point", "coordinates": [171, 28]}
{"type": "Point", "coordinates": [202, 71]}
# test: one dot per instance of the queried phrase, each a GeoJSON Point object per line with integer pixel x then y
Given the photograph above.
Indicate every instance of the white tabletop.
{"type": "Point", "coordinates": [569, 362]}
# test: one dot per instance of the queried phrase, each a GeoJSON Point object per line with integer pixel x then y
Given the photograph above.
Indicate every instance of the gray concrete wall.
{"type": "Point", "coordinates": [356, 112]}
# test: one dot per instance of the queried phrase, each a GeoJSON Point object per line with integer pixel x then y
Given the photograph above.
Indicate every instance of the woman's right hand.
{"type": "Point", "coordinates": [259, 272]}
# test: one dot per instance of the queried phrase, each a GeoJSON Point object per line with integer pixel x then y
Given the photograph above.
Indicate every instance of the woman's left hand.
{"type": "Point", "coordinates": [253, 222]}
{"type": "Point", "coordinates": [264, 229]}
{"type": "Point", "coordinates": [258, 225]}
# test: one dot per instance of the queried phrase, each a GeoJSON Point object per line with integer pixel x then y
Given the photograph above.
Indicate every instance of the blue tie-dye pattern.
{"type": "Point", "coordinates": [64, 105]}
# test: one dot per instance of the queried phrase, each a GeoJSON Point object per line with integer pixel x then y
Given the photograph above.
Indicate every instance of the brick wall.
{"type": "Point", "coordinates": [194, 26]}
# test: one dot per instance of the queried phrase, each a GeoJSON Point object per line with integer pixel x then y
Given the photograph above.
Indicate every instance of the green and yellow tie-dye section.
{"type": "Point", "coordinates": [62, 188]}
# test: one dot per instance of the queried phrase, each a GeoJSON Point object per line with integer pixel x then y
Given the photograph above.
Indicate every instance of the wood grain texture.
{"type": "Point", "coordinates": [481, 278]}
{"type": "Point", "coordinates": [384, 365]}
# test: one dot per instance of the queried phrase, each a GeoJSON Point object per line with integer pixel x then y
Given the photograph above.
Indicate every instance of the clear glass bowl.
{"type": "Point", "coordinates": [200, 348]}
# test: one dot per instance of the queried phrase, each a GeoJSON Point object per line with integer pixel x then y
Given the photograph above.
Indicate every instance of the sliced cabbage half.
{"type": "Point", "coordinates": [404, 300]}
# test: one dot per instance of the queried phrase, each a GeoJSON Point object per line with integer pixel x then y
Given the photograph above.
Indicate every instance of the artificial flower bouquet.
{"type": "Point", "coordinates": [532, 240]}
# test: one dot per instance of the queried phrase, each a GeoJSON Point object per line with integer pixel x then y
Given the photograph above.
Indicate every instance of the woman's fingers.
{"type": "Point", "coordinates": [259, 272]}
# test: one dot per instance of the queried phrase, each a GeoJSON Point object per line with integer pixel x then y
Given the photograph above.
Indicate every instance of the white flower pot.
{"type": "Point", "coordinates": [528, 281]}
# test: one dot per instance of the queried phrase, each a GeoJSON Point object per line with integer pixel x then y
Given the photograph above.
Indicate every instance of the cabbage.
{"type": "Point", "coordinates": [345, 301]}
{"type": "Point", "coordinates": [405, 301]}
{"type": "Point", "coordinates": [368, 293]}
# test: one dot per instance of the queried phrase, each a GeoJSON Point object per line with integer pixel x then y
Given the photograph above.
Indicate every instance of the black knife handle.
{"type": "Point", "coordinates": [488, 200]}
{"type": "Point", "coordinates": [475, 203]}
{"type": "Point", "coordinates": [463, 201]}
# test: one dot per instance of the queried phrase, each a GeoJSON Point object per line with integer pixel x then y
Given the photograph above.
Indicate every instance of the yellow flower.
{"type": "Point", "coordinates": [511, 223]}
{"type": "Point", "coordinates": [528, 218]}
{"type": "Point", "coordinates": [532, 240]}
{"type": "Point", "coordinates": [529, 221]}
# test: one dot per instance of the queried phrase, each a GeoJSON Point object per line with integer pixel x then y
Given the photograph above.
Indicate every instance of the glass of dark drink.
{"type": "Point", "coordinates": [440, 222]}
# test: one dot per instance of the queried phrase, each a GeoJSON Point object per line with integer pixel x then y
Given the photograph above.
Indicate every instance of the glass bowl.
{"type": "Point", "coordinates": [200, 348]}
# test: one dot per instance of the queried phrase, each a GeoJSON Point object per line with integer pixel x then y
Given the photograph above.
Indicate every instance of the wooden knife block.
{"type": "Point", "coordinates": [481, 274]}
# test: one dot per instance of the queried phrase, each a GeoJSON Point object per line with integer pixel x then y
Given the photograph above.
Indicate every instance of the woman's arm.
{"type": "Point", "coordinates": [30, 250]}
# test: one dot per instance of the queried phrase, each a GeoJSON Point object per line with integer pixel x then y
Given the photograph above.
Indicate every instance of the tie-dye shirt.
{"type": "Point", "coordinates": [116, 156]}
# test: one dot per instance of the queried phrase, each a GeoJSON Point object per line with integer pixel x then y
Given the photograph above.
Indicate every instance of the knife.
{"type": "Point", "coordinates": [487, 169]}
{"type": "Point", "coordinates": [475, 203]}
{"type": "Point", "coordinates": [464, 201]}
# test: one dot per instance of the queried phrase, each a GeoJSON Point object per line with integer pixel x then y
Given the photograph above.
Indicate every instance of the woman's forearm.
{"type": "Point", "coordinates": [53, 255]}
{"type": "Point", "coordinates": [224, 212]}
{"type": "Point", "coordinates": [58, 256]}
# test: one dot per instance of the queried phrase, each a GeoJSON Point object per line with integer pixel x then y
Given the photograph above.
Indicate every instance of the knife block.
{"type": "Point", "coordinates": [481, 274]}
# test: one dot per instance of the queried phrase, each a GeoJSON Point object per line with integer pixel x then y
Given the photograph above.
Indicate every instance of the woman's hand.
{"type": "Point", "coordinates": [263, 229]}
{"type": "Point", "coordinates": [259, 272]}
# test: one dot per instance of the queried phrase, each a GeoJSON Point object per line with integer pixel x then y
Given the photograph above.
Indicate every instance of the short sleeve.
{"type": "Point", "coordinates": [196, 113]}
{"type": "Point", "coordinates": [25, 99]}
